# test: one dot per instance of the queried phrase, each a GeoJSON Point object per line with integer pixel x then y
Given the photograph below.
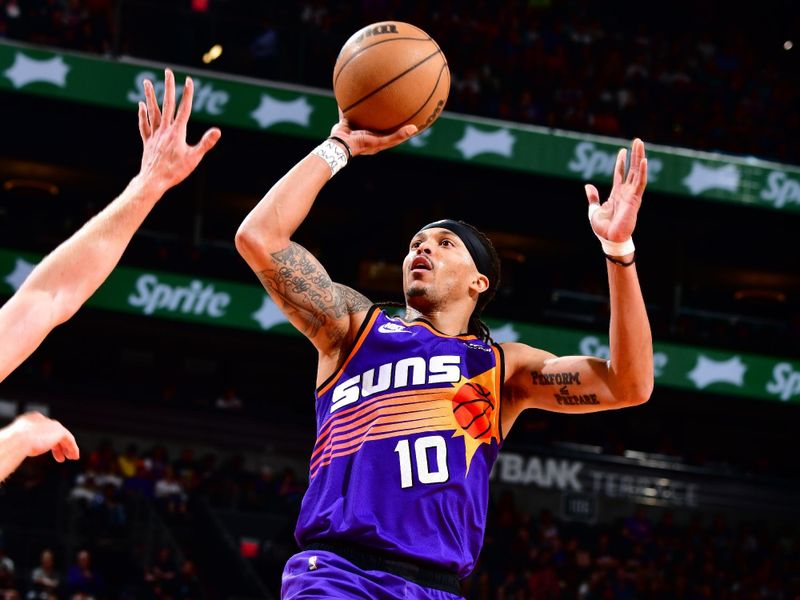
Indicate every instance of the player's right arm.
{"type": "Point", "coordinates": [326, 312]}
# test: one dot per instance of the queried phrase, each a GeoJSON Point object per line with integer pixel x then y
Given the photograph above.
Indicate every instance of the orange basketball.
{"type": "Point", "coordinates": [473, 406]}
{"type": "Point", "coordinates": [391, 74]}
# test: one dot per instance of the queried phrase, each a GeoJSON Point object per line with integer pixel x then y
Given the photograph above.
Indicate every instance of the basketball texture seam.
{"type": "Point", "coordinates": [425, 103]}
{"type": "Point", "coordinates": [347, 62]}
{"type": "Point", "coordinates": [391, 81]}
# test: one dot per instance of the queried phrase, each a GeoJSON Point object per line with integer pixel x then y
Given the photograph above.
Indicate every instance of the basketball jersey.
{"type": "Point", "coordinates": [407, 432]}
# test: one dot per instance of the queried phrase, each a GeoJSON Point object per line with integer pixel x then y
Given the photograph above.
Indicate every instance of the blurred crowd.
{"type": "Point", "coordinates": [529, 553]}
{"type": "Point", "coordinates": [540, 557]}
{"type": "Point", "coordinates": [95, 540]}
{"type": "Point", "coordinates": [685, 74]}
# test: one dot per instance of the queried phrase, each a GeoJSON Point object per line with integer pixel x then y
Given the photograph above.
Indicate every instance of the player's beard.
{"type": "Point", "coordinates": [418, 296]}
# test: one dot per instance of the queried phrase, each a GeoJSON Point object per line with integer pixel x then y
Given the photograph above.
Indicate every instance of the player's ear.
{"type": "Point", "coordinates": [480, 283]}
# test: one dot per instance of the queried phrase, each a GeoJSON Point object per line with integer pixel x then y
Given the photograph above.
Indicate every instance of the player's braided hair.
{"type": "Point", "coordinates": [476, 325]}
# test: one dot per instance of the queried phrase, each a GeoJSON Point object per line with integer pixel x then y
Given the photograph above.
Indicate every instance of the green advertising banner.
{"type": "Point", "coordinates": [253, 104]}
{"type": "Point", "coordinates": [229, 304]}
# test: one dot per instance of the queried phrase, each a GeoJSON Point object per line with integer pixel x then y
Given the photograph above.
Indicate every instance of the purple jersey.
{"type": "Point", "coordinates": [407, 432]}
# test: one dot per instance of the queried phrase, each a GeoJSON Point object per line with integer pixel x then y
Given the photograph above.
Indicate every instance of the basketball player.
{"type": "Point", "coordinates": [59, 285]}
{"type": "Point", "coordinates": [411, 411]}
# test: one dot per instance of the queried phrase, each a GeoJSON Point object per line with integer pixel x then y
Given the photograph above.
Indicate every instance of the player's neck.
{"type": "Point", "coordinates": [449, 322]}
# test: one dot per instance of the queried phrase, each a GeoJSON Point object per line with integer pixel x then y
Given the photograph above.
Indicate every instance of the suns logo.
{"type": "Point", "coordinates": [414, 370]}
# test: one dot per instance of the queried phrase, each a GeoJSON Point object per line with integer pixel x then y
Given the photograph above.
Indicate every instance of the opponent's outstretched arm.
{"type": "Point", "coordinates": [33, 434]}
{"type": "Point", "coordinates": [539, 379]}
{"type": "Point", "coordinates": [322, 310]}
{"type": "Point", "coordinates": [71, 273]}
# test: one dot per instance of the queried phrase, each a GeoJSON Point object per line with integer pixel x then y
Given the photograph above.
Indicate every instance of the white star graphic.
{"type": "Point", "coordinates": [269, 314]}
{"type": "Point", "coordinates": [476, 141]}
{"type": "Point", "coordinates": [22, 268]}
{"type": "Point", "coordinates": [27, 70]}
{"type": "Point", "coordinates": [708, 371]}
{"type": "Point", "coordinates": [704, 177]}
{"type": "Point", "coordinates": [506, 333]}
{"type": "Point", "coordinates": [421, 139]}
{"type": "Point", "coordinates": [271, 111]}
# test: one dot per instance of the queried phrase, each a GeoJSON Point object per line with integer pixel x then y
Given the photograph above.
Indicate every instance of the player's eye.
{"type": "Point", "coordinates": [447, 242]}
{"type": "Point", "coordinates": [415, 244]}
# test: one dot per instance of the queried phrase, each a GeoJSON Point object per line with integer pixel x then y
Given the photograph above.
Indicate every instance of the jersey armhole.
{"type": "Point", "coordinates": [369, 318]}
{"type": "Point", "coordinates": [501, 361]}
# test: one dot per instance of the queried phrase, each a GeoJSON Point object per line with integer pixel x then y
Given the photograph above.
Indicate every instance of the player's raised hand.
{"type": "Point", "coordinates": [166, 158]}
{"type": "Point", "coordinates": [615, 219]}
{"type": "Point", "coordinates": [363, 141]}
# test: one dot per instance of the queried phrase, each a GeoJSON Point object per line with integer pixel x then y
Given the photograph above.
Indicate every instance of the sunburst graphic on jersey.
{"type": "Point", "coordinates": [476, 412]}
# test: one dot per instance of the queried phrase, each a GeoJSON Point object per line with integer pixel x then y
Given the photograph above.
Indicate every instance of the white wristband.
{"type": "Point", "coordinates": [333, 154]}
{"type": "Point", "coordinates": [611, 248]}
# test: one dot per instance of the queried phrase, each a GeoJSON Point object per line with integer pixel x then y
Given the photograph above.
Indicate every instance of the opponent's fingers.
{"type": "Point", "coordinates": [69, 446]}
{"type": "Point", "coordinates": [58, 454]}
{"type": "Point", "coordinates": [153, 112]}
{"type": "Point", "coordinates": [144, 124]}
{"type": "Point", "coordinates": [185, 108]}
{"type": "Point", "coordinates": [619, 167]}
{"type": "Point", "coordinates": [168, 108]}
{"type": "Point", "coordinates": [206, 143]}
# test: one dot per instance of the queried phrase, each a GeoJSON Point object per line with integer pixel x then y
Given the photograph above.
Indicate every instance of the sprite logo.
{"type": "Point", "coordinates": [785, 381]}
{"type": "Point", "coordinates": [206, 98]}
{"type": "Point", "coordinates": [588, 160]}
{"type": "Point", "coordinates": [193, 299]}
{"type": "Point", "coordinates": [781, 190]}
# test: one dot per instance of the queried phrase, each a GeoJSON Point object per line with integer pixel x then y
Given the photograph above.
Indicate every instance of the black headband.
{"type": "Point", "coordinates": [476, 248]}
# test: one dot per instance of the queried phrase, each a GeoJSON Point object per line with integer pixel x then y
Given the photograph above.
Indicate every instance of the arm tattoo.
{"type": "Point", "coordinates": [355, 301]}
{"type": "Point", "coordinates": [305, 292]}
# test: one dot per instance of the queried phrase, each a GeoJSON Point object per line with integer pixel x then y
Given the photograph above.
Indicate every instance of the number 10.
{"type": "Point", "coordinates": [424, 474]}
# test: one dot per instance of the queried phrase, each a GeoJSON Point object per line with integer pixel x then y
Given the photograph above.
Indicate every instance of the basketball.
{"type": "Point", "coordinates": [473, 406]}
{"type": "Point", "coordinates": [391, 74]}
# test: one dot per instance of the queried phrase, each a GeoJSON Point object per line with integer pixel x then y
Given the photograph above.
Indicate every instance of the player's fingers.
{"type": "Point", "coordinates": [394, 138]}
{"type": "Point", "coordinates": [206, 143]}
{"type": "Point", "coordinates": [144, 124]}
{"type": "Point", "coordinates": [641, 177]}
{"type": "Point", "coordinates": [619, 168]}
{"type": "Point", "coordinates": [168, 109]}
{"type": "Point", "coordinates": [637, 155]}
{"type": "Point", "coordinates": [592, 195]}
{"type": "Point", "coordinates": [185, 108]}
{"type": "Point", "coordinates": [153, 112]}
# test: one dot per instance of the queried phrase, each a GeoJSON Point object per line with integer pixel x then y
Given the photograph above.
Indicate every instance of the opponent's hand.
{"type": "Point", "coordinates": [167, 159]}
{"type": "Point", "coordinates": [363, 141]}
{"type": "Point", "coordinates": [38, 434]}
{"type": "Point", "coordinates": [615, 220]}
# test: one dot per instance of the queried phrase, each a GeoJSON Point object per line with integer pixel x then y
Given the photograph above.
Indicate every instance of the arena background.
{"type": "Point", "coordinates": [195, 418]}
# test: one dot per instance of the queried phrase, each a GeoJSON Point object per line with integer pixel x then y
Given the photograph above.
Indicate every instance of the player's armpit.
{"type": "Point", "coordinates": [356, 302]}
{"type": "Point", "coordinates": [319, 308]}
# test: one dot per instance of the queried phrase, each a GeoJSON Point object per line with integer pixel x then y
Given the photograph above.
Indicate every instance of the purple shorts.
{"type": "Point", "coordinates": [318, 574]}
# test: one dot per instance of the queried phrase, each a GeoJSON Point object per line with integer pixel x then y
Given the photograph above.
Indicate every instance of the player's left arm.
{"type": "Point", "coordinates": [579, 384]}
